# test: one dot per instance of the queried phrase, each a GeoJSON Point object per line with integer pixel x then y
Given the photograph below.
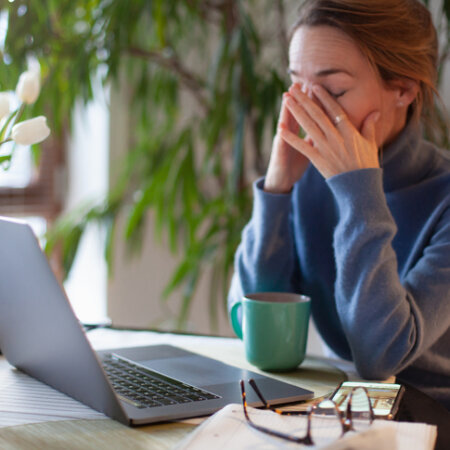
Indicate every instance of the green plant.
{"type": "Point", "coordinates": [202, 201]}
{"type": "Point", "coordinates": [205, 79]}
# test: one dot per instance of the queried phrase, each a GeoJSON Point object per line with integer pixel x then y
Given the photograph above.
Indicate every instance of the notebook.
{"type": "Point", "coordinates": [41, 336]}
{"type": "Point", "coordinates": [228, 429]}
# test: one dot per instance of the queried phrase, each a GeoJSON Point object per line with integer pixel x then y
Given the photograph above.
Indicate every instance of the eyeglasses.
{"type": "Point", "coordinates": [358, 416]}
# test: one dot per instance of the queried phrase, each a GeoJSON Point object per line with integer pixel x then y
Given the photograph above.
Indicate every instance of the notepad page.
{"type": "Point", "coordinates": [228, 429]}
{"type": "Point", "coordinates": [411, 435]}
{"type": "Point", "coordinates": [25, 400]}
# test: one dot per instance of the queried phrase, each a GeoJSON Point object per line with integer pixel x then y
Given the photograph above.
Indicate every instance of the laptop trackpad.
{"type": "Point", "coordinates": [195, 370]}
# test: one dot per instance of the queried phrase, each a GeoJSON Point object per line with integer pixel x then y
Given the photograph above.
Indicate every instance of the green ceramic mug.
{"type": "Point", "coordinates": [274, 328]}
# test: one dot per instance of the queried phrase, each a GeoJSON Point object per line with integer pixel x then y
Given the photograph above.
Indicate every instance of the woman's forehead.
{"type": "Point", "coordinates": [323, 48]}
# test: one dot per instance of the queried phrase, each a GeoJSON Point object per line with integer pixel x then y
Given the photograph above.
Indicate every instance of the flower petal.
{"type": "Point", "coordinates": [28, 86]}
{"type": "Point", "coordinates": [30, 131]}
{"type": "Point", "coordinates": [4, 104]}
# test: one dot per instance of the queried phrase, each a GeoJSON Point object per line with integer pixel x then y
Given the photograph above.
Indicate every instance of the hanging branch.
{"type": "Point", "coordinates": [209, 11]}
{"type": "Point", "coordinates": [283, 34]}
{"type": "Point", "coordinates": [193, 83]}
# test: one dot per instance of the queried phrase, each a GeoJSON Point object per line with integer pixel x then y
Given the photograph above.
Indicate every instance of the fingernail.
{"type": "Point", "coordinates": [316, 88]}
{"type": "Point", "coordinates": [376, 116]}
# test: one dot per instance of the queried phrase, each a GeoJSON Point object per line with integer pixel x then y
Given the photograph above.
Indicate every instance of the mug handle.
{"type": "Point", "coordinates": [237, 328]}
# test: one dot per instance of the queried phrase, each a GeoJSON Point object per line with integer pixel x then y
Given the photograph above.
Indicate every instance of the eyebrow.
{"type": "Point", "coordinates": [322, 73]}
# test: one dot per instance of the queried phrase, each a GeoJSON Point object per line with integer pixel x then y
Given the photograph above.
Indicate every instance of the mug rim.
{"type": "Point", "coordinates": [274, 297]}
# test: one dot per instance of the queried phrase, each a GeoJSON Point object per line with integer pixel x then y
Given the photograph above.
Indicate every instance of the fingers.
{"type": "Point", "coordinates": [333, 144]}
{"type": "Point", "coordinates": [332, 108]}
{"type": "Point", "coordinates": [303, 146]}
{"type": "Point", "coordinates": [312, 119]}
{"type": "Point", "coordinates": [368, 127]}
{"type": "Point", "coordinates": [284, 113]}
{"type": "Point", "coordinates": [286, 117]}
{"type": "Point", "coordinates": [308, 123]}
{"type": "Point", "coordinates": [311, 116]}
{"type": "Point", "coordinates": [288, 121]}
{"type": "Point", "coordinates": [334, 111]}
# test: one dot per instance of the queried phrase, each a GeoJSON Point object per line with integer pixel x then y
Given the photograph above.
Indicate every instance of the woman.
{"type": "Point", "coordinates": [356, 213]}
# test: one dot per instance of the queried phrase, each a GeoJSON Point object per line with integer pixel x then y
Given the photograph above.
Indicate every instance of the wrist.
{"type": "Point", "coordinates": [274, 186]}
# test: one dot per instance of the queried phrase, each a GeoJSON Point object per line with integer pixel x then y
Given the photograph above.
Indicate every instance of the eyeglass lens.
{"type": "Point", "coordinates": [326, 423]}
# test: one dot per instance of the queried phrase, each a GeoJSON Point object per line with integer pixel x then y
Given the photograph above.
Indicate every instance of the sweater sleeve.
{"type": "Point", "coordinates": [265, 259]}
{"type": "Point", "coordinates": [388, 322]}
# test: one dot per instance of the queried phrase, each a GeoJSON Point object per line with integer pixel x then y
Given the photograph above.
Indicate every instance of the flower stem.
{"type": "Point", "coordinates": [6, 140]}
{"type": "Point", "coordinates": [7, 123]}
{"type": "Point", "coordinates": [19, 114]}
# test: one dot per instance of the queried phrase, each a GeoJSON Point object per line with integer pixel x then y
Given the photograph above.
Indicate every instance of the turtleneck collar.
{"type": "Point", "coordinates": [406, 160]}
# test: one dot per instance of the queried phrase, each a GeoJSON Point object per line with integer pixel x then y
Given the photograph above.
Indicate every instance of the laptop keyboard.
{"type": "Point", "coordinates": [145, 388]}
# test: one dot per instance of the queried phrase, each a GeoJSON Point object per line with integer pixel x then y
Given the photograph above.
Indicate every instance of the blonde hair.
{"type": "Point", "coordinates": [397, 36]}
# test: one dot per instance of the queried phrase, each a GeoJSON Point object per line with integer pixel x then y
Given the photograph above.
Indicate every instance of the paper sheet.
{"type": "Point", "coordinates": [25, 400]}
{"type": "Point", "coordinates": [228, 429]}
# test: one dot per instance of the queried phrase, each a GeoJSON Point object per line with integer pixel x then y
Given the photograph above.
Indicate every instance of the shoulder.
{"type": "Point", "coordinates": [441, 155]}
{"type": "Point", "coordinates": [438, 175]}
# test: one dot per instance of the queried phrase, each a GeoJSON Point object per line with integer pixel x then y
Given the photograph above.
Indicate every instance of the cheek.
{"type": "Point", "coordinates": [359, 104]}
{"type": "Point", "coordinates": [356, 110]}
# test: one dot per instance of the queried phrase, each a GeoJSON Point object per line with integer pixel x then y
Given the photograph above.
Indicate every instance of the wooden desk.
{"type": "Point", "coordinates": [316, 374]}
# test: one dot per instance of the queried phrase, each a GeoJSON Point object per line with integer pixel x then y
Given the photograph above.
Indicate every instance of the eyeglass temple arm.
{"type": "Point", "coordinates": [244, 399]}
{"type": "Point", "coordinates": [306, 440]}
{"type": "Point", "coordinates": [267, 405]}
{"type": "Point", "coordinates": [252, 383]}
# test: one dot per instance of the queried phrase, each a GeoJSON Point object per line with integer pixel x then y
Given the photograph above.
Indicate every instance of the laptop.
{"type": "Point", "coordinates": [41, 336]}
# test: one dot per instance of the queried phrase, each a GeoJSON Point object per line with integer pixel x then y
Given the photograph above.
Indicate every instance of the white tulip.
{"type": "Point", "coordinates": [4, 104]}
{"type": "Point", "coordinates": [28, 86]}
{"type": "Point", "coordinates": [30, 131]}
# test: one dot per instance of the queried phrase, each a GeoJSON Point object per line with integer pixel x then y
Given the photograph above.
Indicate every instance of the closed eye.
{"type": "Point", "coordinates": [338, 94]}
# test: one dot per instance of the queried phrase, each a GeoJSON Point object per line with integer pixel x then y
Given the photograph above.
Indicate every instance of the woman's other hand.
{"type": "Point", "coordinates": [335, 145]}
{"type": "Point", "coordinates": [286, 164]}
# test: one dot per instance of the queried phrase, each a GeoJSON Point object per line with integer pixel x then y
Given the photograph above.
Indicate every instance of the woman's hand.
{"type": "Point", "coordinates": [335, 146]}
{"type": "Point", "coordinates": [286, 164]}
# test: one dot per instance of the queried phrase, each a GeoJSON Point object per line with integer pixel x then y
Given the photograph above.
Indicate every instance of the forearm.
{"type": "Point", "coordinates": [266, 257]}
{"type": "Point", "coordinates": [388, 322]}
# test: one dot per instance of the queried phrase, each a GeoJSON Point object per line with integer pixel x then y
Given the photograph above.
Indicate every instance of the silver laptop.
{"type": "Point", "coordinates": [40, 335]}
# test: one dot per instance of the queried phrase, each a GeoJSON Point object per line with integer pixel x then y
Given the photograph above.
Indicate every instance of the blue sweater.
{"type": "Point", "coordinates": [372, 249]}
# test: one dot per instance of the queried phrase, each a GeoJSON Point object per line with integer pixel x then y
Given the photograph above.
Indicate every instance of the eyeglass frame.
{"type": "Point", "coordinates": [346, 420]}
